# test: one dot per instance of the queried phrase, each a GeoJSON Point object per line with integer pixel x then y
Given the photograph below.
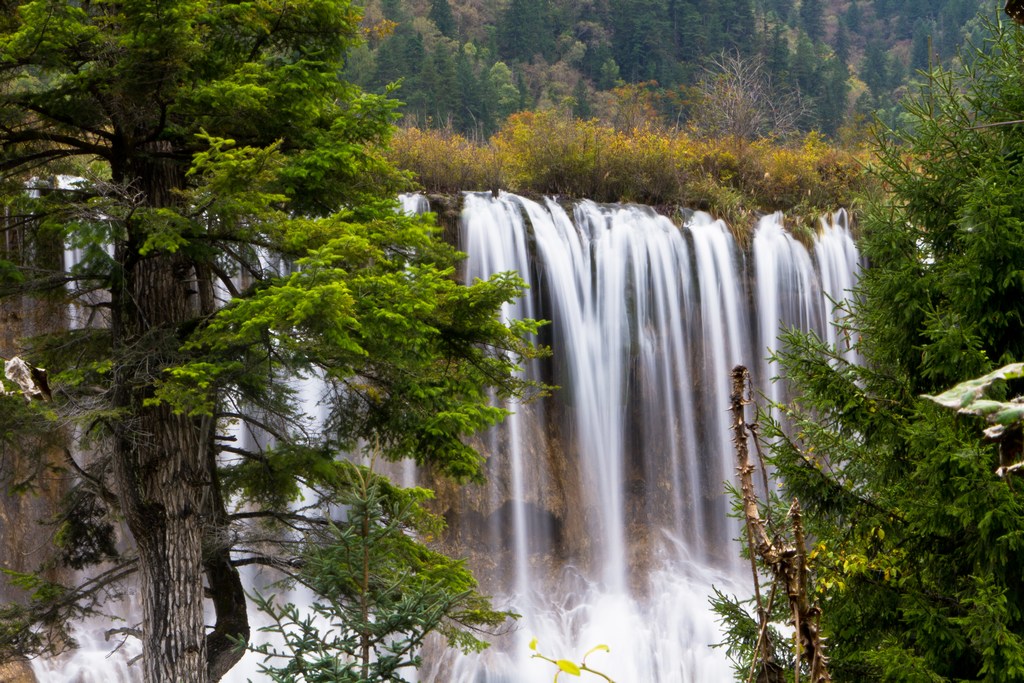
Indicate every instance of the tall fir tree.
{"type": "Point", "coordinates": [441, 14]}
{"type": "Point", "coordinates": [916, 520]}
{"type": "Point", "coordinates": [812, 18]}
{"type": "Point", "coordinates": [236, 228]}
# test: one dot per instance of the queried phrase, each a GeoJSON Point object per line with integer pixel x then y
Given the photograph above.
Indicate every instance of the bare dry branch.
{"type": "Point", "coordinates": [786, 561]}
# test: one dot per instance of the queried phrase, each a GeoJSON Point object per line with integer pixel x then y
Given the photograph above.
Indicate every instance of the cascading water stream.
{"type": "Point", "coordinates": [724, 341]}
{"type": "Point", "coordinates": [489, 231]}
{"type": "Point", "coordinates": [839, 265]}
{"type": "Point", "coordinates": [647, 320]}
{"type": "Point", "coordinates": [604, 520]}
{"type": "Point", "coordinates": [788, 294]}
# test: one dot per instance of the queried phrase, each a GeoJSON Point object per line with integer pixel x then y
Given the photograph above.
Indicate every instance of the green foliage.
{"type": "Point", "coordinates": [742, 636]}
{"type": "Point", "coordinates": [919, 542]}
{"type": "Point", "coordinates": [380, 591]}
{"type": "Point", "coordinates": [237, 222]}
{"type": "Point", "coordinates": [947, 251]}
{"type": "Point", "coordinates": [85, 535]}
{"type": "Point", "coordinates": [559, 50]}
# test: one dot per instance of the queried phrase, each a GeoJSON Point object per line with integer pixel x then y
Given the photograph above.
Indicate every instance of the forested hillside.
{"type": "Point", "coordinates": [467, 64]}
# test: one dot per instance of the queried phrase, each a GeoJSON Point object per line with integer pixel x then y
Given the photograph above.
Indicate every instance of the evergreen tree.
{"type": "Point", "coordinates": [610, 74]}
{"type": "Point", "coordinates": [440, 81]}
{"type": "Point", "coordinates": [781, 8]}
{"type": "Point", "coordinates": [917, 522]}
{"type": "Point", "coordinates": [875, 69]}
{"type": "Point", "coordinates": [441, 14]}
{"type": "Point", "coordinates": [805, 68]}
{"type": "Point", "coordinates": [842, 43]}
{"type": "Point", "coordinates": [641, 35]}
{"type": "Point", "coordinates": [853, 18]}
{"type": "Point", "coordinates": [740, 27]}
{"type": "Point", "coordinates": [472, 115]}
{"type": "Point", "coordinates": [237, 228]}
{"type": "Point", "coordinates": [581, 98]}
{"type": "Point", "coordinates": [920, 59]}
{"type": "Point", "coordinates": [524, 30]}
{"type": "Point", "coordinates": [690, 36]}
{"type": "Point", "coordinates": [831, 105]}
{"type": "Point", "coordinates": [777, 56]}
{"type": "Point", "coordinates": [375, 611]}
{"type": "Point", "coordinates": [812, 18]}
{"type": "Point", "coordinates": [393, 11]}
{"type": "Point", "coordinates": [401, 57]}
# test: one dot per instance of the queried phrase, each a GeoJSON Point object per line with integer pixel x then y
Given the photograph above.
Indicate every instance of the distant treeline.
{"type": "Point", "coordinates": [468, 64]}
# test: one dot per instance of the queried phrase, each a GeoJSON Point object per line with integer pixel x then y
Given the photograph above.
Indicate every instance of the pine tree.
{"type": "Point", "coordinates": [875, 70]}
{"type": "Point", "coordinates": [916, 518]}
{"type": "Point", "coordinates": [524, 30]}
{"type": "Point", "coordinates": [237, 227]}
{"type": "Point", "coordinates": [920, 58]}
{"type": "Point", "coordinates": [812, 18]}
{"type": "Point", "coordinates": [371, 615]}
{"type": "Point", "coordinates": [441, 14]}
{"type": "Point", "coordinates": [640, 39]}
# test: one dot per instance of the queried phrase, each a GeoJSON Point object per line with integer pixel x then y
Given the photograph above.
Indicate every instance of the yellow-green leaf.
{"type": "Point", "coordinates": [568, 667]}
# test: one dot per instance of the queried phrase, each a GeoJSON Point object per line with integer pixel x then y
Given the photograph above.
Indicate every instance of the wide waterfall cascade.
{"type": "Point", "coordinates": [604, 519]}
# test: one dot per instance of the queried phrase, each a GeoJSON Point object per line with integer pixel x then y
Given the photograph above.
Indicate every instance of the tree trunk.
{"type": "Point", "coordinates": [160, 472]}
{"type": "Point", "coordinates": [161, 459]}
{"type": "Point", "coordinates": [787, 562]}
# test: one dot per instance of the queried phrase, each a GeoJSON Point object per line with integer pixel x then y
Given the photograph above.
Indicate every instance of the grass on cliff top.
{"type": "Point", "coordinates": [549, 153]}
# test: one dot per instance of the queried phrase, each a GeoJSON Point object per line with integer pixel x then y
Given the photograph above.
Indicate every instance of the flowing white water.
{"type": "Point", "coordinates": [604, 520]}
{"type": "Point", "coordinates": [839, 265]}
{"type": "Point", "coordinates": [647, 320]}
{"type": "Point", "coordinates": [788, 294]}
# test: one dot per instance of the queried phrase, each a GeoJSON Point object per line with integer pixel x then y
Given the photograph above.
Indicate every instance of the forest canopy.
{"type": "Point", "coordinates": [466, 65]}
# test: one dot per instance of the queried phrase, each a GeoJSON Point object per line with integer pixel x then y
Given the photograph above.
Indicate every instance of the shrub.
{"type": "Point", "coordinates": [551, 153]}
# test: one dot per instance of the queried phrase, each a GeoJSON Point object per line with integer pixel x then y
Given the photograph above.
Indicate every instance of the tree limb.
{"type": "Point", "coordinates": [787, 562]}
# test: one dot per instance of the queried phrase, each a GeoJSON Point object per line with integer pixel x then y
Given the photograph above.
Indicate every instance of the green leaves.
{"type": "Point", "coordinates": [919, 544]}
{"type": "Point", "coordinates": [234, 227]}
{"type": "Point", "coordinates": [380, 591]}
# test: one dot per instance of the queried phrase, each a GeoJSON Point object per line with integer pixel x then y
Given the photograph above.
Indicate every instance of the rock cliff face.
{"type": "Point", "coordinates": [17, 672]}
{"type": "Point", "coordinates": [27, 540]}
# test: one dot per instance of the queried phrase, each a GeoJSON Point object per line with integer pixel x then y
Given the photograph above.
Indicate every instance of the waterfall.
{"type": "Point", "coordinates": [604, 519]}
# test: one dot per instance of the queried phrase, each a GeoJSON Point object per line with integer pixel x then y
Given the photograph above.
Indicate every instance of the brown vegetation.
{"type": "Point", "coordinates": [551, 153]}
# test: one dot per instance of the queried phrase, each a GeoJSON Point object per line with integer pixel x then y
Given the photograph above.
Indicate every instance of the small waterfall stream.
{"type": "Point", "coordinates": [604, 520]}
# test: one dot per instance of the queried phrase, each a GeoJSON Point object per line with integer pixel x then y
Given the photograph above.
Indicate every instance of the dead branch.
{"type": "Point", "coordinates": [786, 561]}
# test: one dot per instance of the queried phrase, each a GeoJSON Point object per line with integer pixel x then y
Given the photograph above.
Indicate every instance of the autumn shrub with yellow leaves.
{"type": "Point", "coordinates": [552, 153]}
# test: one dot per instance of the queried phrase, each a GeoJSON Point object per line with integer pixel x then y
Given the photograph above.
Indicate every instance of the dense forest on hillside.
{"type": "Point", "coordinates": [467, 64]}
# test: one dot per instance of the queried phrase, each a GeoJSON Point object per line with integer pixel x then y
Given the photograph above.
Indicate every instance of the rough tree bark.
{"type": "Point", "coordinates": [163, 462]}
